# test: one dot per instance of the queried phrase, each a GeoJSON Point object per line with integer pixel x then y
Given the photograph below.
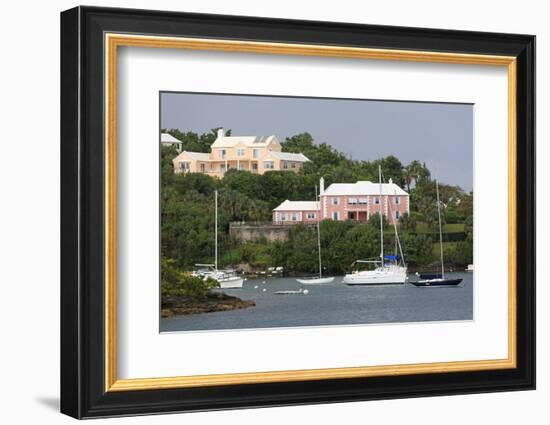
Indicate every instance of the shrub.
{"type": "Point", "coordinates": [176, 283]}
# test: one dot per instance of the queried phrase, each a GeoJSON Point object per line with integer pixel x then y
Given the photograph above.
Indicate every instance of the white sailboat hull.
{"type": "Point", "coordinates": [316, 281]}
{"type": "Point", "coordinates": [226, 279]}
{"type": "Point", "coordinates": [231, 282]}
{"type": "Point", "coordinates": [379, 276]}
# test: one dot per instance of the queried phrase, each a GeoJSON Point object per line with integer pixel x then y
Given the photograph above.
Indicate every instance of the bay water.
{"type": "Point", "coordinates": [333, 304]}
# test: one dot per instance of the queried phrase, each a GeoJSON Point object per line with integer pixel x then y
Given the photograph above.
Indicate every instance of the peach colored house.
{"type": "Point", "coordinates": [256, 154]}
{"type": "Point", "coordinates": [347, 201]}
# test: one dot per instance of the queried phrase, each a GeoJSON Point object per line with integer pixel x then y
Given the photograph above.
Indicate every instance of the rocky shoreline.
{"type": "Point", "coordinates": [180, 306]}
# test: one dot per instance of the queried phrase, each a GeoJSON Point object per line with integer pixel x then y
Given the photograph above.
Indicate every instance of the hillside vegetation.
{"type": "Point", "coordinates": [187, 212]}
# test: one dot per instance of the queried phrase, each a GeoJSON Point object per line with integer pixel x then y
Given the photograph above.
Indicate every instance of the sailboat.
{"type": "Point", "coordinates": [320, 280]}
{"type": "Point", "coordinates": [390, 269]}
{"type": "Point", "coordinates": [437, 279]}
{"type": "Point", "coordinates": [226, 278]}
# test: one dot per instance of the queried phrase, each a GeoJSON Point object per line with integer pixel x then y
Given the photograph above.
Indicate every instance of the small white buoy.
{"type": "Point", "coordinates": [263, 283]}
{"type": "Point", "coordinates": [306, 291]}
{"type": "Point", "coordinates": [263, 290]}
{"type": "Point", "coordinates": [255, 286]}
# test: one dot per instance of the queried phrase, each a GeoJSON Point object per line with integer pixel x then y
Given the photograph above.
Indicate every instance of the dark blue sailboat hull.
{"type": "Point", "coordinates": [437, 282]}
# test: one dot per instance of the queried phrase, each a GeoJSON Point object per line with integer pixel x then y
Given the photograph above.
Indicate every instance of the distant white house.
{"type": "Point", "coordinates": [169, 140]}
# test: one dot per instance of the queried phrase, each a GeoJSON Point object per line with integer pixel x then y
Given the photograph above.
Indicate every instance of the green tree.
{"type": "Point", "coordinates": [174, 282]}
{"type": "Point", "coordinates": [418, 249]}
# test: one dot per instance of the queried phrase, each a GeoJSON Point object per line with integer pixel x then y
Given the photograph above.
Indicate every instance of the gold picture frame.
{"type": "Point", "coordinates": [114, 41]}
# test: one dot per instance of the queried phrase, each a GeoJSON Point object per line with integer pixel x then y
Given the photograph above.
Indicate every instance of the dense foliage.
{"type": "Point", "coordinates": [178, 284]}
{"type": "Point", "coordinates": [187, 212]}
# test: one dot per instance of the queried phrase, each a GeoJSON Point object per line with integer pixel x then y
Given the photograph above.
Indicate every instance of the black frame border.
{"type": "Point", "coordinates": [82, 212]}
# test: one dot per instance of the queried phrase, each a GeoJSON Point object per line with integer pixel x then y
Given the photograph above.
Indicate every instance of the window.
{"type": "Point", "coordinates": [283, 217]}
{"type": "Point", "coordinates": [311, 216]}
{"type": "Point", "coordinates": [184, 166]}
{"type": "Point", "coordinates": [363, 201]}
{"type": "Point", "coordinates": [255, 153]}
{"type": "Point", "coordinates": [397, 215]}
{"type": "Point", "coordinates": [241, 166]}
{"type": "Point", "coordinates": [294, 216]}
{"type": "Point", "coordinates": [222, 153]}
{"type": "Point", "coordinates": [255, 167]}
{"type": "Point", "coordinates": [268, 165]}
{"type": "Point", "coordinates": [352, 201]}
{"type": "Point", "coordinates": [335, 200]}
{"type": "Point", "coordinates": [202, 167]}
{"type": "Point", "coordinates": [293, 165]}
{"type": "Point", "coordinates": [376, 200]}
{"type": "Point", "coordinates": [397, 200]}
{"type": "Point", "coordinates": [336, 215]}
{"type": "Point", "coordinates": [285, 165]}
{"type": "Point", "coordinates": [240, 152]}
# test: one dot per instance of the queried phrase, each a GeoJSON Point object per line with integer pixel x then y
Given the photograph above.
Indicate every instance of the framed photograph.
{"type": "Point", "coordinates": [261, 212]}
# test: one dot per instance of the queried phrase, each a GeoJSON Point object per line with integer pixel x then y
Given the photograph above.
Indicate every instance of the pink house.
{"type": "Point", "coordinates": [296, 212]}
{"type": "Point", "coordinates": [347, 201]}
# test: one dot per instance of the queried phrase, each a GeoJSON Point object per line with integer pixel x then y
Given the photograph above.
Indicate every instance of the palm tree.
{"type": "Point", "coordinates": [407, 176]}
{"type": "Point", "coordinates": [417, 172]}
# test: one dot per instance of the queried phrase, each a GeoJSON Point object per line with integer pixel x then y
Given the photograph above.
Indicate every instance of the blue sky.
{"type": "Point", "coordinates": [440, 134]}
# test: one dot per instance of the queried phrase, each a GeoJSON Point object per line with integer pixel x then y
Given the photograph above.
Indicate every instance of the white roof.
{"type": "Point", "coordinates": [168, 138]}
{"type": "Point", "coordinates": [298, 206]}
{"type": "Point", "coordinates": [251, 141]}
{"type": "Point", "coordinates": [288, 156]}
{"type": "Point", "coordinates": [201, 156]}
{"type": "Point", "coordinates": [363, 188]}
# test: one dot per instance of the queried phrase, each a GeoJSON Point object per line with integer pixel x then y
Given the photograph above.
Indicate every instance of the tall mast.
{"type": "Point", "coordinates": [216, 229]}
{"type": "Point", "coordinates": [397, 240]}
{"type": "Point", "coordinates": [440, 233]}
{"type": "Point", "coordinates": [381, 219]}
{"type": "Point", "coordinates": [317, 199]}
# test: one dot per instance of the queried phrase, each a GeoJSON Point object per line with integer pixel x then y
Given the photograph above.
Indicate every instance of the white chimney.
{"type": "Point", "coordinates": [321, 186]}
{"type": "Point", "coordinates": [221, 132]}
{"type": "Point", "coordinates": [390, 181]}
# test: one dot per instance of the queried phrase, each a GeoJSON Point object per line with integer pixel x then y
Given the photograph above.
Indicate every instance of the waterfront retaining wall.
{"type": "Point", "coordinates": [253, 232]}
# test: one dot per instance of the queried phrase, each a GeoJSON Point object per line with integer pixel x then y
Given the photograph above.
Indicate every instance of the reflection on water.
{"type": "Point", "coordinates": [334, 304]}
